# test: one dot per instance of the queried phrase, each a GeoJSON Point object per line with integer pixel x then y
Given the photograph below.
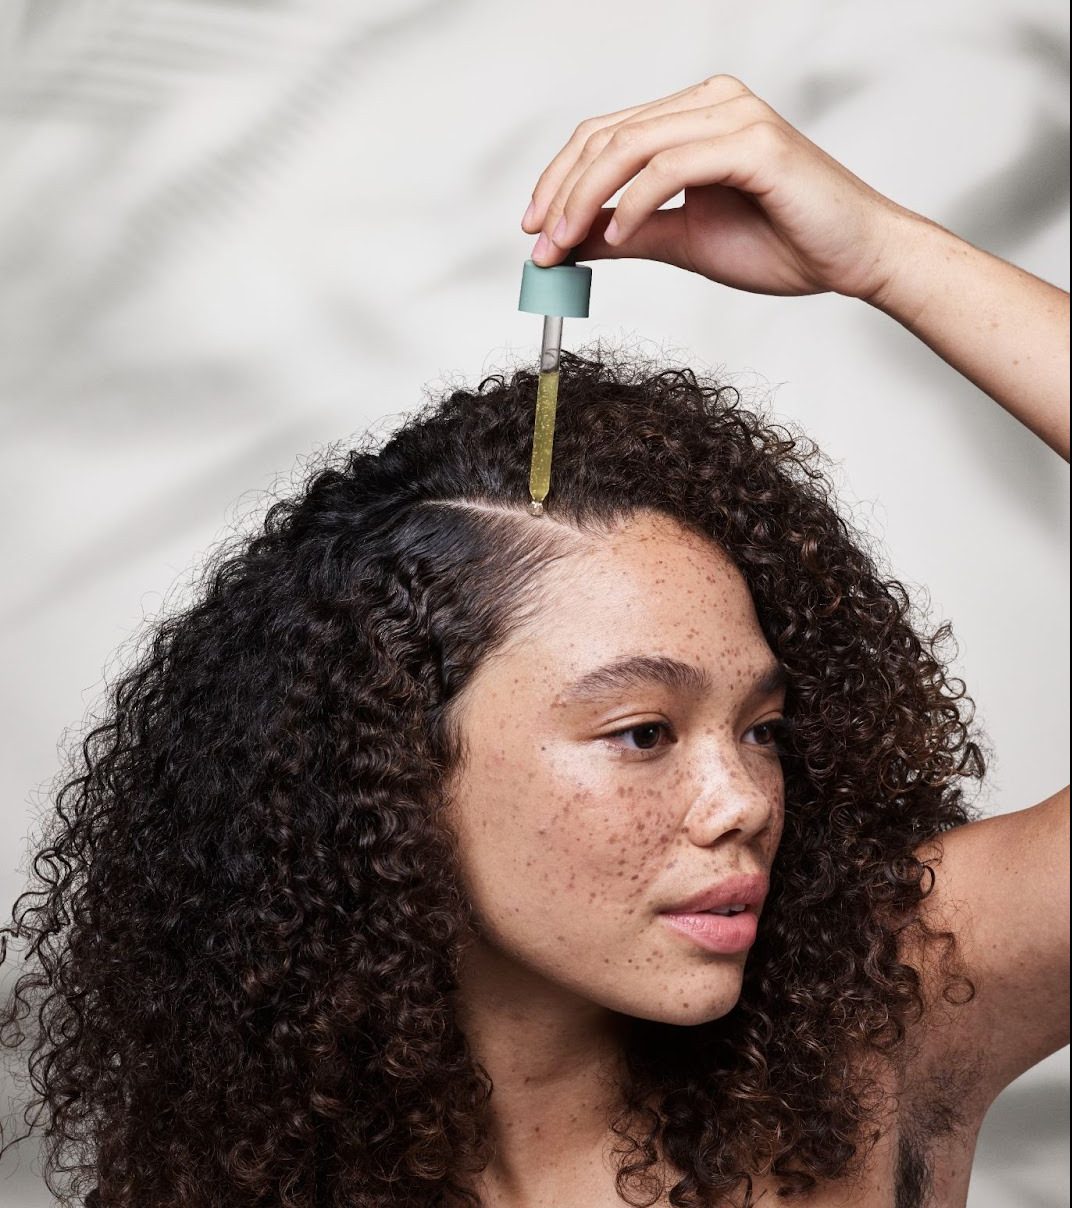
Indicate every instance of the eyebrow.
{"type": "Point", "coordinates": [640, 670]}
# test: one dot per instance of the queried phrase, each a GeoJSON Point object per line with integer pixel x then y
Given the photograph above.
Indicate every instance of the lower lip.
{"type": "Point", "coordinates": [717, 932]}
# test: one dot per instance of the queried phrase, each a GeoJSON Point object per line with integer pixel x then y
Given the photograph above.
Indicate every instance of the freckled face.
{"type": "Point", "coordinates": [575, 835]}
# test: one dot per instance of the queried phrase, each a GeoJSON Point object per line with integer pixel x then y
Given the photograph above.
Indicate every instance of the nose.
{"type": "Point", "coordinates": [735, 796]}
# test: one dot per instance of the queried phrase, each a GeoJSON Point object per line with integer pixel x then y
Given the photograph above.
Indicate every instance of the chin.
{"type": "Point", "coordinates": [692, 1010]}
{"type": "Point", "coordinates": [701, 998]}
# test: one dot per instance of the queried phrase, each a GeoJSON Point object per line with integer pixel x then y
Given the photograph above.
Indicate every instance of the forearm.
{"type": "Point", "coordinates": [1001, 327]}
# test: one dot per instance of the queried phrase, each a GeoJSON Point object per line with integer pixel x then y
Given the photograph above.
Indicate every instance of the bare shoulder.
{"type": "Point", "coordinates": [1001, 887]}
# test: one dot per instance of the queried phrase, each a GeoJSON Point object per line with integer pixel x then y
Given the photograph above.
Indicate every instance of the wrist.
{"type": "Point", "coordinates": [914, 248]}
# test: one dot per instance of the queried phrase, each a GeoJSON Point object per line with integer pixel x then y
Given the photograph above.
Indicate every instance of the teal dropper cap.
{"type": "Point", "coordinates": [563, 289]}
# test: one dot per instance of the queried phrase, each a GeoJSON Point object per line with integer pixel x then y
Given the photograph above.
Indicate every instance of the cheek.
{"type": "Point", "coordinates": [567, 880]}
{"type": "Point", "coordinates": [605, 841]}
{"type": "Point", "coordinates": [559, 826]}
{"type": "Point", "coordinates": [774, 787]}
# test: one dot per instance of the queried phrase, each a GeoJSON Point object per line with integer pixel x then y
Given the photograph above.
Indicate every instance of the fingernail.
{"type": "Point", "coordinates": [529, 213]}
{"type": "Point", "coordinates": [611, 233]}
{"type": "Point", "coordinates": [559, 233]}
{"type": "Point", "coordinates": [542, 244]}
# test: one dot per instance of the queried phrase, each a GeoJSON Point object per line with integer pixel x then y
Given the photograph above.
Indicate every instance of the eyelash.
{"type": "Point", "coordinates": [781, 726]}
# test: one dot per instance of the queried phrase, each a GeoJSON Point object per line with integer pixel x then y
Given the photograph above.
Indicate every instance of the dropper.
{"type": "Point", "coordinates": [561, 290]}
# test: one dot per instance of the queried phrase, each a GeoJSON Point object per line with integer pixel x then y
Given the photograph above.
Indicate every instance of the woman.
{"type": "Point", "coordinates": [389, 878]}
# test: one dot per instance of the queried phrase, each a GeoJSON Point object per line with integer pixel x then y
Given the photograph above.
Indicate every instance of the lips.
{"type": "Point", "coordinates": [715, 932]}
{"type": "Point", "coordinates": [749, 888]}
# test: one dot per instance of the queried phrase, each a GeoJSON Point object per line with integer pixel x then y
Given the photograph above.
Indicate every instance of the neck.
{"type": "Point", "coordinates": [555, 1063]}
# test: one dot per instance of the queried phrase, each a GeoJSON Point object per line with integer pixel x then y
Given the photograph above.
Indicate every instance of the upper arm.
{"type": "Point", "coordinates": [1001, 886]}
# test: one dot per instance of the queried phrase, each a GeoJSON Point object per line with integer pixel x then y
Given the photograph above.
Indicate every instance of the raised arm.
{"type": "Point", "coordinates": [1001, 883]}
{"type": "Point", "coordinates": [768, 211]}
{"type": "Point", "coordinates": [1003, 328]}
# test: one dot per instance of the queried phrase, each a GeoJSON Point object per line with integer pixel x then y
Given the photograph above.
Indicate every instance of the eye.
{"type": "Point", "coordinates": [647, 735]}
{"type": "Point", "coordinates": [773, 733]}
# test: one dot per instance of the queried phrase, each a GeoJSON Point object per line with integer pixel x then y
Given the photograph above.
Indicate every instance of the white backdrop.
{"type": "Point", "coordinates": [232, 233]}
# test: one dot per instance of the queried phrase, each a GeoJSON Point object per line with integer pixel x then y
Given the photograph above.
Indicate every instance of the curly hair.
{"type": "Point", "coordinates": [246, 937]}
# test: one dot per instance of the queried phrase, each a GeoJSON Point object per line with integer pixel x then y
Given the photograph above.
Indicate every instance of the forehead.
{"type": "Point", "coordinates": [651, 586]}
{"type": "Point", "coordinates": [649, 551]}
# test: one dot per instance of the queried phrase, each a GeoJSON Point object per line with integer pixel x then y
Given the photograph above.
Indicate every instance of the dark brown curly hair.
{"type": "Point", "coordinates": [246, 939]}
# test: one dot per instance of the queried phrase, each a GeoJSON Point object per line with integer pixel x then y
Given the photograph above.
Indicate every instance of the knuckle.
{"type": "Point", "coordinates": [769, 136]}
{"type": "Point", "coordinates": [625, 137]}
{"type": "Point", "coordinates": [662, 165]}
{"type": "Point", "coordinates": [751, 105]}
{"type": "Point", "coordinates": [725, 84]}
{"type": "Point", "coordinates": [596, 141]}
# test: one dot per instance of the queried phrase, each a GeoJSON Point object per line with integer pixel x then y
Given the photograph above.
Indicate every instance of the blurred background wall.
{"type": "Point", "coordinates": [232, 233]}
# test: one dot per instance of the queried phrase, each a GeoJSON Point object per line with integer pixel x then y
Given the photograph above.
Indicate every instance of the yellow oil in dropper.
{"type": "Point", "coordinates": [543, 439]}
{"type": "Point", "coordinates": [543, 435]}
